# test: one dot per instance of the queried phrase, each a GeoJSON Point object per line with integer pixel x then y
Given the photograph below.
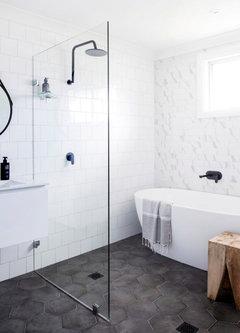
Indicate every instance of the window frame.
{"type": "Point", "coordinates": [205, 63]}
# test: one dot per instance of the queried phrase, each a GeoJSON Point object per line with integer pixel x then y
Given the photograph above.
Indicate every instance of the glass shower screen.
{"type": "Point", "coordinates": [71, 154]}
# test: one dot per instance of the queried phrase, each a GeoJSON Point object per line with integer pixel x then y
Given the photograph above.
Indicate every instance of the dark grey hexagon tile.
{"type": "Point", "coordinates": [143, 293]}
{"type": "Point", "coordinates": [81, 277]}
{"type": "Point", "coordinates": [59, 279]}
{"type": "Point", "coordinates": [66, 330]}
{"type": "Point", "coordinates": [195, 285]}
{"type": "Point", "coordinates": [137, 275]}
{"type": "Point", "coordinates": [98, 257]}
{"type": "Point", "coordinates": [122, 296]}
{"type": "Point", "coordinates": [75, 289]}
{"type": "Point", "coordinates": [79, 260]}
{"type": "Point", "coordinates": [222, 327]}
{"type": "Point", "coordinates": [60, 306]}
{"type": "Point", "coordinates": [176, 265]}
{"type": "Point", "coordinates": [98, 285]}
{"type": "Point", "coordinates": [224, 312]}
{"type": "Point", "coordinates": [91, 298]}
{"type": "Point", "coordinates": [151, 280]}
{"type": "Point", "coordinates": [158, 259]}
{"type": "Point", "coordinates": [192, 272]}
{"type": "Point", "coordinates": [8, 286]}
{"type": "Point", "coordinates": [117, 314]}
{"type": "Point", "coordinates": [172, 289]}
{"type": "Point", "coordinates": [12, 326]}
{"type": "Point", "coordinates": [101, 328]}
{"type": "Point", "coordinates": [155, 268]}
{"type": "Point", "coordinates": [200, 318]}
{"type": "Point", "coordinates": [134, 271]}
{"type": "Point", "coordinates": [142, 252]}
{"type": "Point", "coordinates": [48, 269]}
{"type": "Point", "coordinates": [140, 309]}
{"type": "Point", "coordinates": [115, 274]}
{"type": "Point", "coordinates": [46, 323]}
{"type": "Point", "coordinates": [124, 255]}
{"type": "Point", "coordinates": [174, 275]}
{"type": "Point", "coordinates": [27, 310]}
{"type": "Point", "coordinates": [14, 298]}
{"type": "Point", "coordinates": [81, 319]}
{"type": "Point", "coordinates": [137, 261]}
{"type": "Point", "coordinates": [195, 300]}
{"type": "Point", "coordinates": [169, 305]}
{"type": "Point", "coordinates": [4, 311]}
{"type": "Point", "coordinates": [93, 267]}
{"type": "Point", "coordinates": [127, 280]}
{"type": "Point", "coordinates": [68, 269]}
{"type": "Point", "coordinates": [31, 283]}
{"type": "Point", "coordinates": [115, 263]}
{"type": "Point", "coordinates": [165, 324]}
{"type": "Point", "coordinates": [134, 325]}
{"type": "Point", "coordinates": [45, 294]}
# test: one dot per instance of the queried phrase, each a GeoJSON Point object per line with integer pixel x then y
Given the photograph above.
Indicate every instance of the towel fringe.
{"type": "Point", "coordinates": [155, 247]}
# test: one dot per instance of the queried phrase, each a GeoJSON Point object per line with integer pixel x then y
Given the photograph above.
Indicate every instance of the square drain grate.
{"type": "Point", "coordinates": [95, 276]}
{"type": "Point", "coordinates": [187, 328]}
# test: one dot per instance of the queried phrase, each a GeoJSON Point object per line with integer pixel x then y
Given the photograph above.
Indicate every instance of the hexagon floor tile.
{"type": "Point", "coordinates": [149, 293]}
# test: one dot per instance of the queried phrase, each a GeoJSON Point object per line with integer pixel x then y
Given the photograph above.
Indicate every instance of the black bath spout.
{"type": "Point", "coordinates": [215, 175]}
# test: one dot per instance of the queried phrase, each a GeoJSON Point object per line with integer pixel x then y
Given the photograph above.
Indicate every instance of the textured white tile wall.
{"type": "Point", "coordinates": [186, 146]}
{"type": "Point", "coordinates": [132, 148]}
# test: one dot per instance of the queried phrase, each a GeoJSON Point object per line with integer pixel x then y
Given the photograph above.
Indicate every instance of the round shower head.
{"type": "Point", "coordinates": [96, 52]}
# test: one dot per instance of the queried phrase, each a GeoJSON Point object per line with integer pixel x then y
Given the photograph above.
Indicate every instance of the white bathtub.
{"type": "Point", "coordinates": [196, 217]}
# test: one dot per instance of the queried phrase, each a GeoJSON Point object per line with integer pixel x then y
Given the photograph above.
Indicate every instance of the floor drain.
{"type": "Point", "coordinates": [95, 276]}
{"type": "Point", "coordinates": [187, 328]}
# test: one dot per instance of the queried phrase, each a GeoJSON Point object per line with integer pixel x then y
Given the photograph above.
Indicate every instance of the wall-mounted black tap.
{"type": "Point", "coordinates": [70, 157]}
{"type": "Point", "coordinates": [215, 175]}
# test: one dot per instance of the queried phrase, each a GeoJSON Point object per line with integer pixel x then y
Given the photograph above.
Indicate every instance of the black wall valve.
{"type": "Point", "coordinates": [215, 175]}
{"type": "Point", "coordinates": [70, 157]}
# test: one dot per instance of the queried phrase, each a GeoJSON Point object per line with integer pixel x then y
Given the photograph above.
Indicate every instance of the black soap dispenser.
{"type": "Point", "coordinates": [5, 169]}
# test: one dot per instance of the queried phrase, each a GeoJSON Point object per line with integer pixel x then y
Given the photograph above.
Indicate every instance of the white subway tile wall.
{"type": "Point", "coordinates": [76, 193]}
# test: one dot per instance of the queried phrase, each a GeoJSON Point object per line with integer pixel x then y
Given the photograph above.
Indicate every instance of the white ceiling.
{"type": "Point", "coordinates": [155, 24]}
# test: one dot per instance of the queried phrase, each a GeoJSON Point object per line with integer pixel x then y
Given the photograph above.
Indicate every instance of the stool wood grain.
{"type": "Point", "coordinates": [224, 266]}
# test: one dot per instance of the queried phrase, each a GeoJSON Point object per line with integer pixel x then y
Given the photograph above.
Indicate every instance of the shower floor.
{"type": "Point", "coordinates": [149, 293]}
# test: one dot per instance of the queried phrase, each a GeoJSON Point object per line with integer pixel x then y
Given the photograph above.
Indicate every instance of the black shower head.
{"type": "Point", "coordinates": [96, 52]}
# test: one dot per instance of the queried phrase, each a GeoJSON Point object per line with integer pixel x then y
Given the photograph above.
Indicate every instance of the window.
{"type": "Point", "coordinates": [219, 83]}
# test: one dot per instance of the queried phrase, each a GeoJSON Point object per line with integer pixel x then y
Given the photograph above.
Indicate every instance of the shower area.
{"type": "Point", "coordinates": [71, 155]}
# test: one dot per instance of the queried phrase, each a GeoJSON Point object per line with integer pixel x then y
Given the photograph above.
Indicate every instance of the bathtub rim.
{"type": "Point", "coordinates": [136, 196]}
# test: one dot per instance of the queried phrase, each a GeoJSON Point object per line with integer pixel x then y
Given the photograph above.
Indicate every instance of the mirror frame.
{"type": "Point", "coordinates": [10, 104]}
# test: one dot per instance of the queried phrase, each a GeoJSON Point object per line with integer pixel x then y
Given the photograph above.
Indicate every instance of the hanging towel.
{"type": "Point", "coordinates": [156, 226]}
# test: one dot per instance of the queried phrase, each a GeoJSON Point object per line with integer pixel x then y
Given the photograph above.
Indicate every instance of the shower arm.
{"type": "Point", "coordinates": [73, 57]}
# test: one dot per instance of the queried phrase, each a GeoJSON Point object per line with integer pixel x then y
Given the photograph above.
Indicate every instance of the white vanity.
{"type": "Point", "coordinates": [23, 212]}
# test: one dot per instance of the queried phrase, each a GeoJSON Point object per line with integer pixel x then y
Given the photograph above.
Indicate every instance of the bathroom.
{"type": "Point", "coordinates": [107, 106]}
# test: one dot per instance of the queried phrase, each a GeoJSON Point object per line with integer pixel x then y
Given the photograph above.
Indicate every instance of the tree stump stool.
{"type": "Point", "coordinates": [224, 266]}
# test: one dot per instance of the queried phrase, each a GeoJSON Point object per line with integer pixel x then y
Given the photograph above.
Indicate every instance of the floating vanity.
{"type": "Point", "coordinates": [24, 212]}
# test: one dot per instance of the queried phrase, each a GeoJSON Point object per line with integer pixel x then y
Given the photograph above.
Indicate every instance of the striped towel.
{"type": "Point", "coordinates": [156, 228]}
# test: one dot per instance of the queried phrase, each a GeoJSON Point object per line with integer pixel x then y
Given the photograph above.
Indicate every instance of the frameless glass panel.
{"type": "Point", "coordinates": [71, 155]}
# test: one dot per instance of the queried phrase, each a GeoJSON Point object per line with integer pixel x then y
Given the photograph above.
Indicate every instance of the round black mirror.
{"type": "Point", "coordinates": [5, 108]}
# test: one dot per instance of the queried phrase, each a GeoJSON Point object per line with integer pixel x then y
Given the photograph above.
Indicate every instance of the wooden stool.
{"type": "Point", "coordinates": [224, 266]}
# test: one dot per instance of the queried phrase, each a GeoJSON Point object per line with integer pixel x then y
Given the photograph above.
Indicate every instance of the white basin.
{"type": "Point", "coordinates": [9, 183]}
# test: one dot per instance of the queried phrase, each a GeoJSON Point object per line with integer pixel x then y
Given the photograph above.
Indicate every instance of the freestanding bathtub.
{"type": "Point", "coordinates": [196, 218]}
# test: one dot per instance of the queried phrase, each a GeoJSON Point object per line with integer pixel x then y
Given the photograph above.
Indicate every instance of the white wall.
{"type": "Point", "coordinates": [186, 146]}
{"type": "Point", "coordinates": [131, 133]}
